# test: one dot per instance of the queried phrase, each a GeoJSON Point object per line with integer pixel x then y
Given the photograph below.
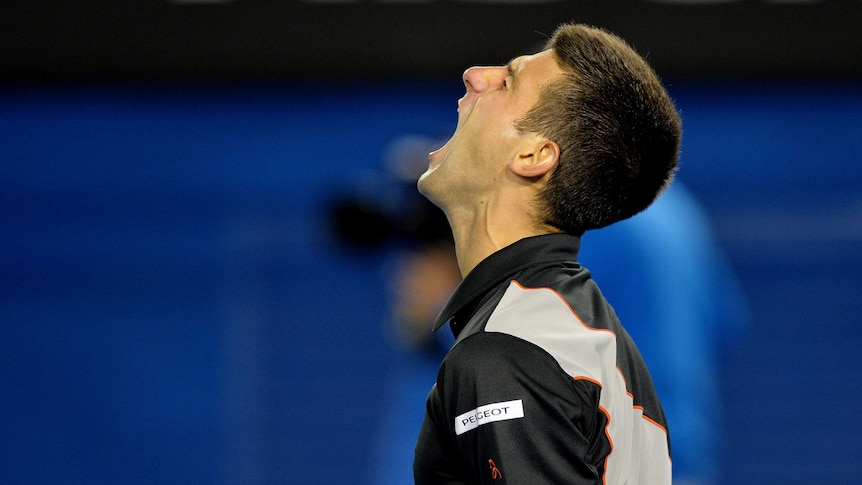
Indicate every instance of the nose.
{"type": "Point", "coordinates": [479, 78]}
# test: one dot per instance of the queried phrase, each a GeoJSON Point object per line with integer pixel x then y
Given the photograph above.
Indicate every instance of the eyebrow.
{"type": "Point", "coordinates": [511, 67]}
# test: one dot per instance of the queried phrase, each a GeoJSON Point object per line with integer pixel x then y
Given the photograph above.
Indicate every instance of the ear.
{"type": "Point", "coordinates": [536, 158]}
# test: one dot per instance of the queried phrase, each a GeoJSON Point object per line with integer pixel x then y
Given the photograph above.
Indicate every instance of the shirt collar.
{"type": "Point", "coordinates": [527, 252]}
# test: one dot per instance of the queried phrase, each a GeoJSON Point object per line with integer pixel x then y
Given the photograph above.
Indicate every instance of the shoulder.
{"type": "Point", "coordinates": [506, 366]}
{"type": "Point", "coordinates": [491, 352]}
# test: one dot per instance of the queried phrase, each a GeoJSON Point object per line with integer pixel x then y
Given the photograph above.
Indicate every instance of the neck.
{"type": "Point", "coordinates": [495, 225]}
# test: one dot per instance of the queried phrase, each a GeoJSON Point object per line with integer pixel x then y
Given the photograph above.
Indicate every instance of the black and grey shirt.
{"type": "Point", "coordinates": [543, 384]}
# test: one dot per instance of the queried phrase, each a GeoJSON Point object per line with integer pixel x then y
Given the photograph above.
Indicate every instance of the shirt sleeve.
{"type": "Point", "coordinates": [513, 415]}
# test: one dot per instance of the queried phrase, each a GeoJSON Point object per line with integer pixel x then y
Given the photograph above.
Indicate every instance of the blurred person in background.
{"type": "Point", "coordinates": [386, 213]}
{"type": "Point", "coordinates": [670, 281]}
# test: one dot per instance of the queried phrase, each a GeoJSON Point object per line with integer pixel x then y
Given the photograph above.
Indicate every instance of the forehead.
{"type": "Point", "coordinates": [541, 67]}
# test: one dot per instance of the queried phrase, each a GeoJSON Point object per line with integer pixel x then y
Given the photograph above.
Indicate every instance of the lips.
{"type": "Point", "coordinates": [433, 156]}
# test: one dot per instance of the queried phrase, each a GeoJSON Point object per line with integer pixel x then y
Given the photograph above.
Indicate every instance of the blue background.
{"type": "Point", "coordinates": [174, 308]}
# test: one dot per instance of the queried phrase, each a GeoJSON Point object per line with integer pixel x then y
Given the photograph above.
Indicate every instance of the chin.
{"type": "Point", "coordinates": [425, 184]}
{"type": "Point", "coordinates": [424, 190]}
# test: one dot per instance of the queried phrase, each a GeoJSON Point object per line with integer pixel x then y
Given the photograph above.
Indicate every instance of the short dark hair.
{"type": "Point", "coordinates": [617, 129]}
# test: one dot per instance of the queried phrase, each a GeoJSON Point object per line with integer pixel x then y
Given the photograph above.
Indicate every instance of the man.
{"type": "Point", "coordinates": [543, 385]}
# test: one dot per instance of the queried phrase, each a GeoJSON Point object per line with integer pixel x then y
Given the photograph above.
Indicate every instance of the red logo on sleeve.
{"type": "Point", "coordinates": [495, 472]}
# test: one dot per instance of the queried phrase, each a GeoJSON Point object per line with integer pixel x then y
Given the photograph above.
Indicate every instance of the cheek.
{"type": "Point", "coordinates": [492, 127]}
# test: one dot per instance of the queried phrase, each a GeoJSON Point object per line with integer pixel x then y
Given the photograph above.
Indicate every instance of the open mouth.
{"type": "Point", "coordinates": [465, 107]}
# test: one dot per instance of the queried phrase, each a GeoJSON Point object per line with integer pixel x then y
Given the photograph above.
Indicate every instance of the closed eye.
{"type": "Point", "coordinates": [511, 75]}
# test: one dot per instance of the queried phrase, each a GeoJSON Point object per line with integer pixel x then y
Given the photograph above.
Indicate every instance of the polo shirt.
{"type": "Point", "coordinates": [543, 385]}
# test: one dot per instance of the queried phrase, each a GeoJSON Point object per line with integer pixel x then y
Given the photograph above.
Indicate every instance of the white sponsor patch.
{"type": "Point", "coordinates": [500, 411]}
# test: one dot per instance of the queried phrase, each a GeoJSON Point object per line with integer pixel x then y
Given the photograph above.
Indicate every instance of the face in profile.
{"type": "Point", "coordinates": [485, 138]}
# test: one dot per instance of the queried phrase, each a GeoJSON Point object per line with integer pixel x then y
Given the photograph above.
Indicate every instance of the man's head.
{"type": "Point", "coordinates": [474, 164]}
{"type": "Point", "coordinates": [583, 130]}
{"type": "Point", "coordinates": [617, 130]}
